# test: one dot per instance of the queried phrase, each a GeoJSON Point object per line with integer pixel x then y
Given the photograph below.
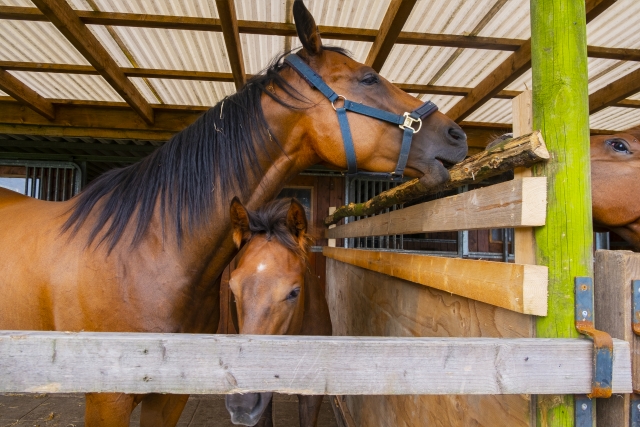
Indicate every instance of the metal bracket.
{"type": "Point", "coordinates": [583, 410]}
{"type": "Point", "coordinates": [635, 410]}
{"type": "Point", "coordinates": [635, 319]}
{"type": "Point", "coordinates": [602, 342]}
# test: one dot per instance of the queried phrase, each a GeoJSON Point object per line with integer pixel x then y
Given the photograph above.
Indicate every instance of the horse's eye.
{"type": "Point", "coordinates": [293, 294]}
{"type": "Point", "coordinates": [369, 80]}
{"type": "Point", "coordinates": [618, 145]}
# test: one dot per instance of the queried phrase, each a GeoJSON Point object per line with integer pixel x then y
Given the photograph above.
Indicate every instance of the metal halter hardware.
{"type": "Point", "coordinates": [405, 121]}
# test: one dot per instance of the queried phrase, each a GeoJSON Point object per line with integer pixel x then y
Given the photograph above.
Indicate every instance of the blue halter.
{"type": "Point", "coordinates": [404, 121]}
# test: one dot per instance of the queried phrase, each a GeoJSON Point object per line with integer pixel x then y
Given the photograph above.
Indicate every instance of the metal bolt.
{"type": "Point", "coordinates": [584, 406]}
{"type": "Point", "coordinates": [584, 313]}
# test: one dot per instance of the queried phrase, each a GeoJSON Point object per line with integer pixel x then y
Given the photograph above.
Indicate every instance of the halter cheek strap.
{"type": "Point", "coordinates": [405, 121]}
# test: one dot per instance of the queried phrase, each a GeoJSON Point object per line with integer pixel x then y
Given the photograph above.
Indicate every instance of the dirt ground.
{"type": "Point", "coordinates": [55, 410]}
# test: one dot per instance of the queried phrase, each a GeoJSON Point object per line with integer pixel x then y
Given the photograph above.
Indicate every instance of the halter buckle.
{"type": "Point", "coordinates": [333, 103]}
{"type": "Point", "coordinates": [409, 121]}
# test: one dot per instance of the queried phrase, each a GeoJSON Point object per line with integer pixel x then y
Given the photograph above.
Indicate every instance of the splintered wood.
{"type": "Point", "coordinates": [509, 154]}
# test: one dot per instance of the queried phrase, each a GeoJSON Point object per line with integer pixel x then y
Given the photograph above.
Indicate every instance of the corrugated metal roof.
{"type": "Point", "coordinates": [206, 51]}
{"type": "Point", "coordinates": [444, 102]}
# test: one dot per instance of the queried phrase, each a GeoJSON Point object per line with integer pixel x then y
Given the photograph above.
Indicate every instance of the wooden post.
{"type": "Point", "coordinates": [560, 111]}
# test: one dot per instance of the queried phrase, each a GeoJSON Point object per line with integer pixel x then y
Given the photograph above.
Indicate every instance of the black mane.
{"type": "Point", "coordinates": [217, 153]}
{"type": "Point", "coordinates": [271, 220]}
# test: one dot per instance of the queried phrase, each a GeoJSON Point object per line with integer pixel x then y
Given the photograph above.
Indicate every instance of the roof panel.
{"type": "Point", "coordinates": [615, 118]}
{"type": "Point", "coordinates": [259, 51]}
{"type": "Point", "coordinates": [444, 102]}
{"type": "Point", "coordinates": [36, 42]}
{"type": "Point", "coordinates": [166, 49]}
{"type": "Point", "coordinates": [69, 86]}
{"type": "Point", "coordinates": [264, 10]}
{"type": "Point", "coordinates": [349, 13]}
{"type": "Point", "coordinates": [617, 26]}
{"type": "Point", "coordinates": [512, 21]}
{"type": "Point", "coordinates": [414, 64]}
{"type": "Point", "coordinates": [494, 111]}
{"type": "Point", "coordinates": [193, 8]}
{"type": "Point", "coordinates": [22, 3]}
{"type": "Point", "coordinates": [189, 92]}
{"type": "Point", "coordinates": [472, 66]}
{"type": "Point", "coordinates": [604, 71]}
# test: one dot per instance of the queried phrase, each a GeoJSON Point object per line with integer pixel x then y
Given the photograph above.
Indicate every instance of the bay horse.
{"type": "Point", "coordinates": [615, 185]}
{"type": "Point", "coordinates": [275, 294]}
{"type": "Point", "coordinates": [142, 248]}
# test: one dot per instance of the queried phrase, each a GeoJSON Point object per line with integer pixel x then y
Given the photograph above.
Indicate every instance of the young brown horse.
{"type": "Point", "coordinates": [275, 294]}
{"type": "Point", "coordinates": [615, 185]}
{"type": "Point", "coordinates": [142, 248]}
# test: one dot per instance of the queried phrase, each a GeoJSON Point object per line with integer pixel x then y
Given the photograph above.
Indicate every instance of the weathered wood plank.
{"type": "Point", "coordinates": [392, 23]}
{"type": "Point", "coordinates": [26, 95]}
{"type": "Point", "coordinates": [517, 203]}
{"type": "Point", "coordinates": [198, 364]}
{"type": "Point", "coordinates": [522, 151]}
{"type": "Point", "coordinates": [517, 287]}
{"type": "Point", "coordinates": [229, 24]}
{"type": "Point", "coordinates": [614, 271]}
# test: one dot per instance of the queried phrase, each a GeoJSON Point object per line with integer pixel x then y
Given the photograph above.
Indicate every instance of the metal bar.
{"type": "Point", "coordinates": [64, 183]}
{"type": "Point", "coordinates": [583, 411]}
{"type": "Point", "coordinates": [48, 196]}
{"type": "Point", "coordinates": [602, 240]}
{"type": "Point", "coordinates": [33, 184]}
{"type": "Point", "coordinates": [55, 188]}
{"type": "Point", "coordinates": [505, 245]}
{"type": "Point", "coordinates": [26, 181]}
{"type": "Point", "coordinates": [602, 342]}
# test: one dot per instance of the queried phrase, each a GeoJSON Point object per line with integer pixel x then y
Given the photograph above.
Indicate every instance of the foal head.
{"type": "Point", "coordinates": [268, 282]}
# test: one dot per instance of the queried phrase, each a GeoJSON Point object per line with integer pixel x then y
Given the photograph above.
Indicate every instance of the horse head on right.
{"type": "Point", "coordinates": [615, 184]}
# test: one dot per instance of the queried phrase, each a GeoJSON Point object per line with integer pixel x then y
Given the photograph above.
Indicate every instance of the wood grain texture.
{"type": "Point", "coordinates": [68, 23]}
{"type": "Point", "coordinates": [229, 24]}
{"type": "Point", "coordinates": [615, 91]}
{"type": "Point", "coordinates": [517, 203]}
{"type": "Point", "coordinates": [211, 364]}
{"type": "Point", "coordinates": [394, 19]}
{"type": "Point", "coordinates": [614, 271]}
{"type": "Point", "coordinates": [522, 151]}
{"type": "Point", "coordinates": [521, 288]}
{"type": "Point", "coordinates": [26, 95]}
{"type": "Point", "coordinates": [560, 111]}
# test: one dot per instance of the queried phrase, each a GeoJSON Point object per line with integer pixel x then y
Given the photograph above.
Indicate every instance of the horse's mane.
{"type": "Point", "coordinates": [216, 153]}
{"type": "Point", "coordinates": [271, 220]}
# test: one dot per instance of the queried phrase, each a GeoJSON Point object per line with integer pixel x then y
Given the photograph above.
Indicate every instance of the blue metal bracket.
{"type": "Point", "coordinates": [635, 319]}
{"type": "Point", "coordinates": [602, 342]}
{"type": "Point", "coordinates": [583, 411]}
{"type": "Point", "coordinates": [635, 410]}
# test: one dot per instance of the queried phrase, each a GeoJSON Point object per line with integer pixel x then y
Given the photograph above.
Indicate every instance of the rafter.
{"type": "Point", "coordinates": [392, 23]}
{"type": "Point", "coordinates": [26, 95]}
{"type": "Point", "coordinates": [615, 91]}
{"type": "Point", "coordinates": [68, 23]}
{"type": "Point", "coordinates": [508, 71]}
{"type": "Point", "coordinates": [229, 24]}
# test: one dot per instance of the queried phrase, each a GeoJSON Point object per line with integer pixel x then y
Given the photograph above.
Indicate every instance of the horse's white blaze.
{"type": "Point", "coordinates": [261, 267]}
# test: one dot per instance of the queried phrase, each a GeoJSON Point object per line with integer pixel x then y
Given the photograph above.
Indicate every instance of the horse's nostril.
{"type": "Point", "coordinates": [457, 134]}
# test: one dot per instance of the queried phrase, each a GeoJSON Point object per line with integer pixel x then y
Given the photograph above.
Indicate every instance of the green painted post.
{"type": "Point", "coordinates": [560, 111]}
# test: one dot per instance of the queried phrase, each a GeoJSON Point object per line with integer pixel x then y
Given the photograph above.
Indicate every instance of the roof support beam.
{"type": "Point", "coordinates": [507, 72]}
{"type": "Point", "coordinates": [26, 95]}
{"type": "Point", "coordinates": [229, 24]}
{"type": "Point", "coordinates": [68, 23]}
{"type": "Point", "coordinates": [615, 91]}
{"type": "Point", "coordinates": [392, 23]}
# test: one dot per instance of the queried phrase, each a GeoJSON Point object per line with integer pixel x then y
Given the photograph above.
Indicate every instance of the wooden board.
{"type": "Point", "coordinates": [363, 302]}
{"type": "Point", "coordinates": [211, 364]}
{"type": "Point", "coordinates": [517, 203]}
{"type": "Point", "coordinates": [517, 287]}
{"type": "Point", "coordinates": [614, 271]}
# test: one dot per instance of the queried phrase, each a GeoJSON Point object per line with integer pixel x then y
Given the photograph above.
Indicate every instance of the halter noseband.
{"type": "Point", "coordinates": [404, 121]}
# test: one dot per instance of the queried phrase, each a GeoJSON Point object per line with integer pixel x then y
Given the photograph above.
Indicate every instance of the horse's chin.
{"type": "Point", "coordinates": [435, 173]}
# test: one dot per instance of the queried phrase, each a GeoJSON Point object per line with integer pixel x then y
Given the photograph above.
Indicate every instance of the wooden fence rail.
{"type": "Point", "coordinates": [219, 364]}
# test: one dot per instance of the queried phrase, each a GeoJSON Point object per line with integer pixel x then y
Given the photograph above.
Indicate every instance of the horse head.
{"type": "Point", "coordinates": [268, 282]}
{"type": "Point", "coordinates": [615, 174]}
{"type": "Point", "coordinates": [438, 142]}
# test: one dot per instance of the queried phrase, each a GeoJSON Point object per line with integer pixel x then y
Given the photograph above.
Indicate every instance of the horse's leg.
{"type": "Point", "coordinates": [266, 420]}
{"type": "Point", "coordinates": [309, 408]}
{"type": "Point", "coordinates": [162, 410]}
{"type": "Point", "coordinates": [108, 409]}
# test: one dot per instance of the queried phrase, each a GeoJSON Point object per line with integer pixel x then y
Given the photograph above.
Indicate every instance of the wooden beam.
{"type": "Point", "coordinates": [516, 287]}
{"type": "Point", "coordinates": [614, 92]}
{"type": "Point", "coordinates": [69, 157]}
{"type": "Point", "coordinates": [59, 362]}
{"type": "Point", "coordinates": [80, 132]}
{"type": "Point", "coordinates": [596, 7]}
{"type": "Point", "coordinates": [68, 23]}
{"type": "Point", "coordinates": [614, 272]}
{"type": "Point", "coordinates": [613, 53]}
{"type": "Point", "coordinates": [58, 145]}
{"type": "Point", "coordinates": [517, 203]}
{"type": "Point", "coordinates": [229, 23]}
{"type": "Point", "coordinates": [392, 23]}
{"type": "Point", "coordinates": [23, 93]}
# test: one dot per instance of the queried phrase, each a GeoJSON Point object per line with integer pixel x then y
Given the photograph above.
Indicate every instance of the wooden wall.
{"type": "Point", "coordinates": [364, 302]}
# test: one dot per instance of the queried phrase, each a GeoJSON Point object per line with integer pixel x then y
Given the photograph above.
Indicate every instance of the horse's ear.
{"type": "Point", "coordinates": [297, 221]}
{"type": "Point", "coordinates": [306, 28]}
{"type": "Point", "coordinates": [239, 222]}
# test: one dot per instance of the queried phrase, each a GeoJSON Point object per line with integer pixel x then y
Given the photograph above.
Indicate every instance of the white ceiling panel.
{"type": "Point", "coordinates": [69, 86]}
{"type": "Point", "coordinates": [188, 92]}
{"type": "Point", "coordinates": [615, 118]}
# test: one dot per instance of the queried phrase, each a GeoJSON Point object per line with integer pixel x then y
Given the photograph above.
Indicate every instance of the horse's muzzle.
{"type": "Point", "coordinates": [246, 409]}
